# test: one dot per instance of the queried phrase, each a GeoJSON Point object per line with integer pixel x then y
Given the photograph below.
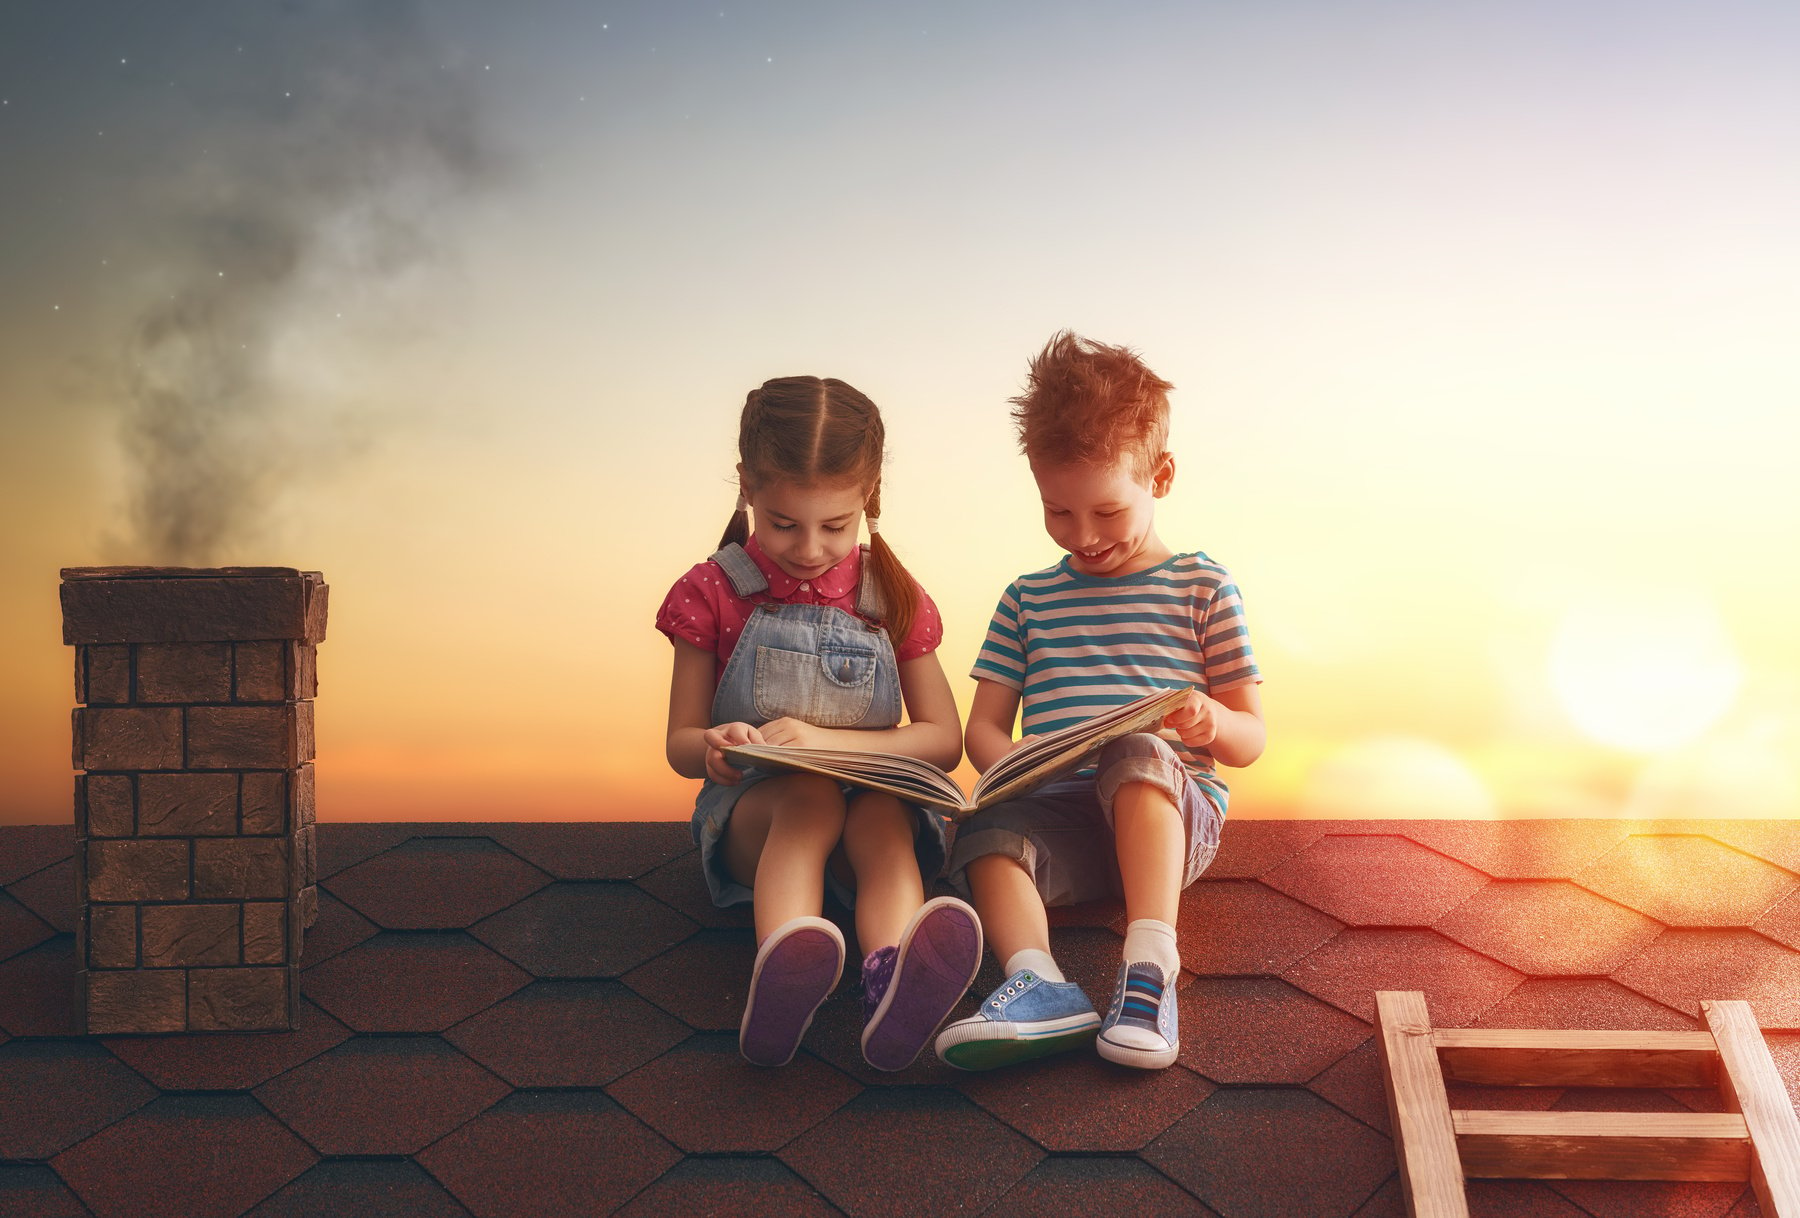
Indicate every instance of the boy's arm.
{"type": "Point", "coordinates": [1228, 725]}
{"type": "Point", "coordinates": [990, 732]}
{"type": "Point", "coordinates": [932, 732]}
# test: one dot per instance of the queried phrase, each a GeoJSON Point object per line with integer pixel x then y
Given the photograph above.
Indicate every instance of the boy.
{"type": "Point", "coordinates": [1121, 613]}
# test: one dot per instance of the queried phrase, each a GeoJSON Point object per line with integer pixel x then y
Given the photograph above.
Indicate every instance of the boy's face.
{"type": "Point", "coordinates": [1105, 515]}
{"type": "Point", "coordinates": [806, 529]}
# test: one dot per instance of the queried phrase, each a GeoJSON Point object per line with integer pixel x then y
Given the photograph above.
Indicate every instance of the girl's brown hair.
{"type": "Point", "coordinates": [806, 429]}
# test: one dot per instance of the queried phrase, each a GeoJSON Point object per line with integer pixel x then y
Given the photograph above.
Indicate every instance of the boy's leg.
{"type": "Point", "coordinates": [1152, 803]}
{"type": "Point", "coordinates": [1002, 857]}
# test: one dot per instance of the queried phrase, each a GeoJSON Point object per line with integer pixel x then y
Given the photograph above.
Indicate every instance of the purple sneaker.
{"type": "Point", "coordinates": [796, 969]}
{"type": "Point", "coordinates": [908, 993]}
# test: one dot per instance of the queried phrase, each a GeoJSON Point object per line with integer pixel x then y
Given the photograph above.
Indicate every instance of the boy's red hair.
{"type": "Point", "coordinates": [1089, 403]}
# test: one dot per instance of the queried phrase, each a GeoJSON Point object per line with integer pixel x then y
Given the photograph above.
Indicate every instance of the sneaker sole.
{"type": "Point", "coordinates": [940, 953]}
{"type": "Point", "coordinates": [988, 1053]}
{"type": "Point", "coordinates": [1141, 1059]}
{"type": "Point", "coordinates": [792, 977]}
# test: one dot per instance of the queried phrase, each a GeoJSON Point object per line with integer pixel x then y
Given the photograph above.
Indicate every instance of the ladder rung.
{"type": "Point", "coordinates": [1535, 1057]}
{"type": "Point", "coordinates": [1603, 1145]}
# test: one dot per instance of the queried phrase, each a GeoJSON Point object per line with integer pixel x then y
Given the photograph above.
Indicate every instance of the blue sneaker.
{"type": "Point", "coordinates": [1026, 1017]}
{"type": "Point", "coordinates": [1142, 1028]}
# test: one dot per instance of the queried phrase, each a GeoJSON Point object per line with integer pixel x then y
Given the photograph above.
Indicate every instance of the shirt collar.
{"type": "Point", "coordinates": [836, 584]}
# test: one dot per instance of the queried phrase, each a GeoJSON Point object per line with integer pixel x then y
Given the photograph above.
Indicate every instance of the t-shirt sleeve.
{"type": "Point", "coordinates": [927, 629]}
{"type": "Point", "coordinates": [688, 612]}
{"type": "Point", "coordinates": [1002, 655]}
{"type": "Point", "coordinates": [1225, 642]}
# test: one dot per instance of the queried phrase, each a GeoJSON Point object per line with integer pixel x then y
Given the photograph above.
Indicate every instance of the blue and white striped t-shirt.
{"type": "Point", "coordinates": [1076, 644]}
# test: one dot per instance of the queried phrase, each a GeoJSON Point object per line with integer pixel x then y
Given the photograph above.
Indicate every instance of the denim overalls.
{"type": "Point", "coordinates": [817, 663]}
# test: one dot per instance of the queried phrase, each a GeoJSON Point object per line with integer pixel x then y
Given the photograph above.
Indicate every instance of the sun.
{"type": "Point", "coordinates": [1642, 673]}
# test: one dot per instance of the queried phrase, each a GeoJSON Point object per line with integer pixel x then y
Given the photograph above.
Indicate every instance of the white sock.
{"type": "Point", "coordinates": [1146, 939]}
{"type": "Point", "coordinates": [1038, 962]}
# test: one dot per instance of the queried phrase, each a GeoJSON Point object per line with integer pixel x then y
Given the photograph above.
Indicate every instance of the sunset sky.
{"type": "Point", "coordinates": [1482, 320]}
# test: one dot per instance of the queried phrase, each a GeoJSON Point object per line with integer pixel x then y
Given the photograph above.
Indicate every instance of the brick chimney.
{"type": "Point", "coordinates": [194, 861]}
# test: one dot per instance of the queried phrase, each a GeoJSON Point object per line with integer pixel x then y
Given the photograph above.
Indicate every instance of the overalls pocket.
{"type": "Point", "coordinates": [834, 688]}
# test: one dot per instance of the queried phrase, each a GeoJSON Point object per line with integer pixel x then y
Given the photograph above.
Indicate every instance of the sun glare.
{"type": "Point", "coordinates": [1642, 675]}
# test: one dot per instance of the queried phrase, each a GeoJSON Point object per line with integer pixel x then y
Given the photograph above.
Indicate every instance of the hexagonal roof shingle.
{"type": "Point", "coordinates": [528, 1018]}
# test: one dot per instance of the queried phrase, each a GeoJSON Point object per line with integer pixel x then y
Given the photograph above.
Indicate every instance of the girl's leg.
{"type": "Point", "coordinates": [921, 956]}
{"type": "Point", "coordinates": [878, 841]}
{"type": "Point", "coordinates": [776, 842]}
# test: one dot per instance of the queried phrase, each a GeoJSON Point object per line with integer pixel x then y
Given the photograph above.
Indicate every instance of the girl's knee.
{"type": "Point", "coordinates": [879, 821]}
{"type": "Point", "coordinates": [808, 799]}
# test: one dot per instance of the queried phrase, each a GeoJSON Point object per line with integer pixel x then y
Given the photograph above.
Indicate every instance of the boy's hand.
{"type": "Point", "coordinates": [795, 733]}
{"type": "Point", "coordinates": [719, 737]}
{"type": "Point", "coordinates": [1195, 720]}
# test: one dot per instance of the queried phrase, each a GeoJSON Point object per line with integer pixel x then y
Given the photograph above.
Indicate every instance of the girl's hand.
{"type": "Point", "coordinates": [1195, 720]}
{"type": "Point", "coordinates": [719, 737]}
{"type": "Point", "coordinates": [796, 733]}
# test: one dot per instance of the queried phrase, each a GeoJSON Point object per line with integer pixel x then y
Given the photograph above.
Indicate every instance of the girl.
{"type": "Point", "coordinates": [793, 634]}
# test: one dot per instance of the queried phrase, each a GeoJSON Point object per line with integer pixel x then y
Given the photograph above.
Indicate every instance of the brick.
{"type": "Point", "coordinates": [238, 999]}
{"type": "Point", "coordinates": [265, 932]}
{"type": "Point", "coordinates": [182, 804]}
{"type": "Point", "coordinates": [107, 804]}
{"type": "Point", "coordinates": [184, 672]}
{"type": "Point", "coordinates": [262, 672]}
{"type": "Point", "coordinates": [112, 936]}
{"type": "Point", "coordinates": [144, 605]}
{"type": "Point", "coordinates": [309, 905]}
{"type": "Point", "coordinates": [266, 801]}
{"type": "Point", "coordinates": [305, 667]}
{"type": "Point", "coordinates": [307, 852]}
{"type": "Point", "coordinates": [317, 594]}
{"type": "Point", "coordinates": [128, 738]}
{"type": "Point", "coordinates": [304, 796]}
{"type": "Point", "coordinates": [141, 1000]}
{"type": "Point", "coordinates": [103, 674]}
{"type": "Point", "coordinates": [137, 871]}
{"type": "Point", "coordinates": [241, 868]}
{"type": "Point", "coordinates": [249, 737]}
{"type": "Point", "coordinates": [179, 936]}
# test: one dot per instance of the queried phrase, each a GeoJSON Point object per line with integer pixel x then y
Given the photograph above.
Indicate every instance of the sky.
{"type": "Point", "coordinates": [1480, 317]}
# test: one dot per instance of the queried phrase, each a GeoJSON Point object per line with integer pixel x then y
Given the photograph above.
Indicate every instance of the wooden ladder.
{"type": "Point", "coordinates": [1757, 1140]}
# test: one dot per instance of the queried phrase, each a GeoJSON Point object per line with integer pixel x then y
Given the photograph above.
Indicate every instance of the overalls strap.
{"type": "Point", "coordinates": [748, 581]}
{"type": "Point", "coordinates": [741, 570]}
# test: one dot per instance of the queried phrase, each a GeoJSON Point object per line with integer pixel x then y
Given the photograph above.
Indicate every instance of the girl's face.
{"type": "Point", "coordinates": [1104, 516]}
{"type": "Point", "coordinates": [806, 528]}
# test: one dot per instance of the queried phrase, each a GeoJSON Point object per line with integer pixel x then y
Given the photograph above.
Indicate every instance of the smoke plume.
{"type": "Point", "coordinates": [327, 171]}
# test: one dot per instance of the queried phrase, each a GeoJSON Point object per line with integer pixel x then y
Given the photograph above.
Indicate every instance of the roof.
{"type": "Point", "coordinates": [539, 1019]}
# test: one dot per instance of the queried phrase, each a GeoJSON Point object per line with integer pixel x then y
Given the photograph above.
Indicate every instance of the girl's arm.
{"type": "Point", "coordinates": [693, 743]}
{"type": "Point", "coordinates": [990, 734]}
{"type": "Point", "coordinates": [932, 732]}
{"type": "Point", "coordinates": [1228, 725]}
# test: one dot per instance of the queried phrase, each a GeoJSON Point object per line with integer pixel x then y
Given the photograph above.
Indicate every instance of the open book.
{"type": "Point", "coordinates": [1027, 766]}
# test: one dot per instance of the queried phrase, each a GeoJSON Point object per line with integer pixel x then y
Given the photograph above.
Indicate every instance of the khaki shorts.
{"type": "Point", "coordinates": [1063, 831]}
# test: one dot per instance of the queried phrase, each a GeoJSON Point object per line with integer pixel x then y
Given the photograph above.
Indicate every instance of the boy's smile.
{"type": "Point", "coordinates": [806, 529]}
{"type": "Point", "coordinates": [1104, 516]}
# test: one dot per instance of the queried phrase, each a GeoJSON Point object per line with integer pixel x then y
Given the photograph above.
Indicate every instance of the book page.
{"type": "Point", "coordinates": [907, 777]}
{"type": "Point", "coordinates": [1065, 749]}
